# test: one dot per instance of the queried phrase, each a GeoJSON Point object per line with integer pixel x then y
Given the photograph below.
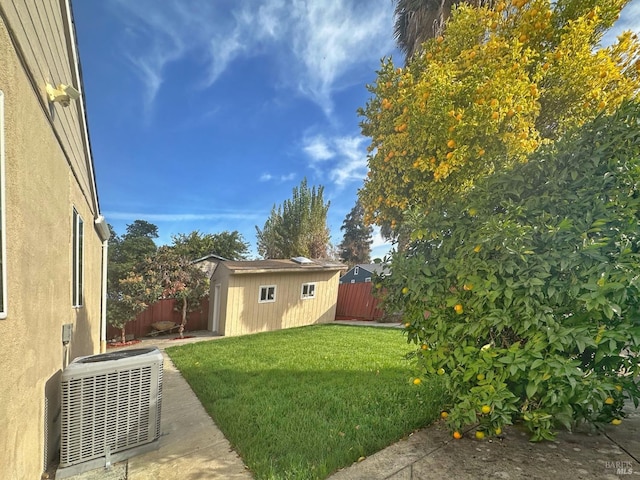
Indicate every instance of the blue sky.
{"type": "Point", "coordinates": [203, 114]}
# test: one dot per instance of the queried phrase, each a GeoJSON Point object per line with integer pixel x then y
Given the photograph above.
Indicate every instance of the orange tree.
{"type": "Point", "coordinates": [525, 294]}
{"type": "Point", "coordinates": [497, 85]}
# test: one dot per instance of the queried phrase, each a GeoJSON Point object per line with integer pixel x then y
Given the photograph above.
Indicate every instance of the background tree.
{"type": "Point", "coordinates": [496, 86]}
{"type": "Point", "coordinates": [416, 21]}
{"type": "Point", "coordinates": [298, 227]}
{"type": "Point", "coordinates": [128, 292]}
{"type": "Point", "coordinates": [229, 245]}
{"type": "Point", "coordinates": [180, 279]}
{"type": "Point", "coordinates": [356, 243]}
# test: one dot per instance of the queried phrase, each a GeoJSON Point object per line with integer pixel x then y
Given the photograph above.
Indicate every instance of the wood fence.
{"type": "Point", "coordinates": [356, 300]}
{"type": "Point", "coordinates": [163, 310]}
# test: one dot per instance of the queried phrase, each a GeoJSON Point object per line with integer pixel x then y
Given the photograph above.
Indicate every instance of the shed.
{"type": "Point", "coordinates": [263, 295]}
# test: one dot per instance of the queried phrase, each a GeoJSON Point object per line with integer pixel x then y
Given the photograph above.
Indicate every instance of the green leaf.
{"type": "Point", "coordinates": [531, 389]}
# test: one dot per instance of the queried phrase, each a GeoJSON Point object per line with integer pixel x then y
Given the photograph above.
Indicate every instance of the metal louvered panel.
{"type": "Point", "coordinates": [110, 404]}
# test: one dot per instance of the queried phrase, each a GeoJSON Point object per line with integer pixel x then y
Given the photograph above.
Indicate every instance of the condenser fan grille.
{"type": "Point", "coordinates": [110, 411]}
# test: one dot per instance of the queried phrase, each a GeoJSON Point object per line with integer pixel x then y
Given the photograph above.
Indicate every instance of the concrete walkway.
{"type": "Point", "coordinates": [192, 447]}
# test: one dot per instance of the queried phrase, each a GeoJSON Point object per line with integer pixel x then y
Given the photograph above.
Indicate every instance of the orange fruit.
{"type": "Point", "coordinates": [451, 143]}
{"type": "Point", "coordinates": [417, 381]}
{"type": "Point", "coordinates": [477, 248]}
{"type": "Point", "coordinates": [619, 388]}
{"type": "Point", "coordinates": [444, 415]}
{"type": "Point", "coordinates": [486, 409]}
{"type": "Point", "coordinates": [407, 324]}
{"type": "Point", "coordinates": [609, 401]}
{"type": "Point", "coordinates": [459, 309]}
{"type": "Point", "coordinates": [424, 346]}
{"type": "Point", "coordinates": [498, 431]}
{"type": "Point", "coordinates": [479, 434]}
{"type": "Point", "coordinates": [480, 377]}
{"type": "Point", "coordinates": [405, 290]}
{"type": "Point", "coordinates": [616, 421]}
{"type": "Point", "coordinates": [440, 371]}
{"type": "Point", "coordinates": [457, 435]}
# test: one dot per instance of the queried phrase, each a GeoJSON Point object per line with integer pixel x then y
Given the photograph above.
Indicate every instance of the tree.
{"type": "Point", "coordinates": [229, 245]}
{"type": "Point", "coordinates": [141, 228]}
{"type": "Point", "coordinates": [128, 293]}
{"type": "Point", "coordinates": [179, 278]}
{"type": "Point", "coordinates": [356, 243]}
{"type": "Point", "coordinates": [495, 87]}
{"type": "Point", "coordinates": [298, 227]}
{"type": "Point", "coordinates": [126, 251]}
{"type": "Point", "coordinates": [131, 295]}
{"type": "Point", "coordinates": [416, 21]}
{"type": "Point", "coordinates": [525, 295]}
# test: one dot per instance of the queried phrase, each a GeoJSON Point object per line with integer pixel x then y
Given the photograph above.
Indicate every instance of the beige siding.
{"type": "Point", "coordinates": [41, 191]}
{"type": "Point", "coordinates": [39, 29]}
{"type": "Point", "coordinates": [244, 314]}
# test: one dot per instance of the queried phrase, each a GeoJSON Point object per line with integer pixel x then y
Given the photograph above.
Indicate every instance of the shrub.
{"type": "Point", "coordinates": [525, 293]}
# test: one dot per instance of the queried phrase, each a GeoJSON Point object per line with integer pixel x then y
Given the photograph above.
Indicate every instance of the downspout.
{"type": "Point", "coordinates": [103, 232]}
{"type": "Point", "coordinates": [103, 310]}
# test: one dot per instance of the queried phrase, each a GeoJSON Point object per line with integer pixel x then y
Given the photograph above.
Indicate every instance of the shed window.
{"type": "Point", "coordinates": [3, 237]}
{"type": "Point", "coordinates": [267, 294]}
{"type": "Point", "coordinates": [356, 270]}
{"type": "Point", "coordinates": [78, 253]}
{"type": "Point", "coordinates": [308, 290]}
{"type": "Point", "coordinates": [367, 280]}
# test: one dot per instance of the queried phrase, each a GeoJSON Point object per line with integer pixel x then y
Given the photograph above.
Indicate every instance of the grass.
{"type": "Point", "coordinates": [305, 402]}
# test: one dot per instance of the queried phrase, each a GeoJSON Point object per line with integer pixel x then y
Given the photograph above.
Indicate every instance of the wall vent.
{"type": "Point", "coordinates": [111, 405]}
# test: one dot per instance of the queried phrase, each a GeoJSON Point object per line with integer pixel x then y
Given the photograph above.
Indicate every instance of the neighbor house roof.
{"type": "Point", "coordinates": [281, 265]}
{"type": "Point", "coordinates": [378, 268]}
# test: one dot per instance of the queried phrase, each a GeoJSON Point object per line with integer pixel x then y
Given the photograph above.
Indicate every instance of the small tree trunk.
{"type": "Point", "coordinates": [123, 336]}
{"type": "Point", "coordinates": [184, 316]}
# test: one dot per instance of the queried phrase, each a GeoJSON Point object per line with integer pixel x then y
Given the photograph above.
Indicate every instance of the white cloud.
{"type": "Point", "coordinates": [380, 247]}
{"type": "Point", "coordinates": [266, 177]}
{"type": "Point", "coordinates": [342, 158]}
{"type": "Point", "coordinates": [316, 42]}
{"type": "Point", "coordinates": [629, 20]}
{"type": "Point", "coordinates": [330, 37]}
{"type": "Point", "coordinates": [181, 217]}
{"type": "Point", "coordinates": [317, 148]}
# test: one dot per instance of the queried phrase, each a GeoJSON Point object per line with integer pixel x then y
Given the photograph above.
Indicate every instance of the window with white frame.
{"type": "Point", "coordinates": [267, 294]}
{"type": "Point", "coordinates": [78, 253]}
{"type": "Point", "coordinates": [308, 290]}
{"type": "Point", "coordinates": [356, 270]}
{"type": "Point", "coordinates": [3, 236]}
{"type": "Point", "coordinates": [367, 280]}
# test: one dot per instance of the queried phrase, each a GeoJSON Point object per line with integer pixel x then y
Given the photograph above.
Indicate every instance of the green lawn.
{"type": "Point", "coordinates": [304, 402]}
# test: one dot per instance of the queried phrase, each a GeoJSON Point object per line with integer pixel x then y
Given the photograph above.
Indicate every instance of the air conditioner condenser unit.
{"type": "Point", "coordinates": [111, 406]}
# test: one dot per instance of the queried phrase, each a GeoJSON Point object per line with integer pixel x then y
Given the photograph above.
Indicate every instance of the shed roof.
{"type": "Point", "coordinates": [281, 265]}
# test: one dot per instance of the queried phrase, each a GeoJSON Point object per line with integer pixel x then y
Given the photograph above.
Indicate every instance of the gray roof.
{"type": "Point", "coordinates": [378, 268]}
{"type": "Point", "coordinates": [281, 265]}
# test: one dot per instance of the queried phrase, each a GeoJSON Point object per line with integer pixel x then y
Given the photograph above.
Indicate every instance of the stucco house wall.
{"type": "Point", "coordinates": [241, 310]}
{"type": "Point", "coordinates": [48, 174]}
